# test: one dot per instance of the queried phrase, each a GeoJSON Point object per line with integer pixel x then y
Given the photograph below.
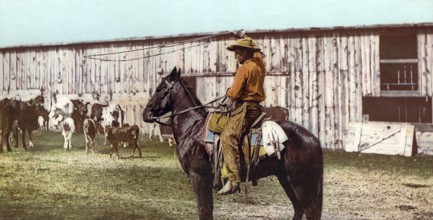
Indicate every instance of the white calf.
{"type": "Point", "coordinates": [67, 126]}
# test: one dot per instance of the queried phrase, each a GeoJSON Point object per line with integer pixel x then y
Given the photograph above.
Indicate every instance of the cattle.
{"type": "Point", "coordinates": [114, 115]}
{"type": "Point", "coordinates": [96, 113]}
{"type": "Point", "coordinates": [116, 135]}
{"type": "Point", "coordinates": [43, 119]}
{"type": "Point", "coordinates": [89, 129]}
{"type": "Point", "coordinates": [42, 122]}
{"type": "Point", "coordinates": [24, 115]}
{"type": "Point", "coordinates": [62, 106]}
{"type": "Point", "coordinates": [74, 108]}
{"type": "Point", "coordinates": [79, 114]}
{"type": "Point", "coordinates": [67, 126]}
{"type": "Point", "coordinates": [155, 130]}
{"type": "Point", "coordinates": [5, 113]}
{"type": "Point", "coordinates": [162, 131]}
{"type": "Point", "coordinates": [167, 131]}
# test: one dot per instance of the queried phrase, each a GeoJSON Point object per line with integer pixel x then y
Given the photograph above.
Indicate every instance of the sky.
{"type": "Point", "coordinates": [45, 22]}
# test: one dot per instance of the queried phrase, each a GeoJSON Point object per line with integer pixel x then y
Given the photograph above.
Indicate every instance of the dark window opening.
{"type": "Point", "coordinates": [399, 76]}
{"type": "Point", "coordinates": [398, 109]}
{"type": "Point", "coordinates": [398, 46]}
{"type": "Point", "coordinates": [398, 62]}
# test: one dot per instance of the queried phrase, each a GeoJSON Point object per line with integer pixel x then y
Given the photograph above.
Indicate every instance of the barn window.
{"type": "Point", "coordinates": [399, 100]}
{"type": "Point", "coordinates": [398, 64]}
{"type": "Point", "coordinates": [398, 109]}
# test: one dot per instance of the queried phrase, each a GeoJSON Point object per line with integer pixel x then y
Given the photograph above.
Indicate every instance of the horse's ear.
{"type": "Point", "coordinates": [178, 74]}
{"type": "Point", "coordinates": [173, 74]}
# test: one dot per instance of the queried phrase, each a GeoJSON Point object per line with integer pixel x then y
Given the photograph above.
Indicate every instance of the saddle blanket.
{"type": "Point", "coordinates": [271, 133]}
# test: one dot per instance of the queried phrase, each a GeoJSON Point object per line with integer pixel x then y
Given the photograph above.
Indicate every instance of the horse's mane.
{"type": "Point", "coordinates": [193, 95]}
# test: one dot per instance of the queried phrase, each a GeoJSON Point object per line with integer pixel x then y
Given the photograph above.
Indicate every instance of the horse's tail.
{"type": "Point", "coordinates": [318, 201]}
{"type": "Point", "coordinates": [319, 198]}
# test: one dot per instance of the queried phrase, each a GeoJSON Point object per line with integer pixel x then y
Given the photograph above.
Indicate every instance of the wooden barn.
{"type": "Point", "coordinates": [353, 87]}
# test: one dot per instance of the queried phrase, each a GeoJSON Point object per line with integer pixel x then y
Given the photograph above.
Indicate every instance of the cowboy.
{"type": "Point", "coordinates": [246, 92]}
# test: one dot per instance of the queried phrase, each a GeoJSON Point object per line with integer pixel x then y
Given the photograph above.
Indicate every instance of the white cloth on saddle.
{"type": "Point", "coordinates": [272, 132]}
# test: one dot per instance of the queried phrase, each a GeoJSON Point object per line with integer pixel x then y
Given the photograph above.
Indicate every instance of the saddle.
{"type": "Point", "coordinates": [264, 139]}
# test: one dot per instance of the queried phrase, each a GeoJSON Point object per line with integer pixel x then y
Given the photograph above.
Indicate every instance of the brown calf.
{"type": "Point", "coordinates": [89, 130]}
{"type": "Point", "coordinates": [127, 134]}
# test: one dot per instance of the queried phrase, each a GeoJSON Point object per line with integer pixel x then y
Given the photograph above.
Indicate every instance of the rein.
{"type": "Point", "coordinates": [206, 105]}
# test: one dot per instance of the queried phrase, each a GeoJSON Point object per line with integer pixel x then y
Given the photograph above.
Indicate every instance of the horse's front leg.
{"type": "Point", "coordinates": [202, 186]}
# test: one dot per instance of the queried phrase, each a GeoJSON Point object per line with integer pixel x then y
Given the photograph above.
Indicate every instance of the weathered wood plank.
{"type": "Point", "coordinates": [298, 81]}
{"type": "Point", "coordinates": [314, 86]}
{"type": "Point", "coordinates": [305, 83]}
{"type": "Point", "coordinates": [275, 55]}
{"type": "Point", "coordinates": [381, 138]}
{"type": "Point", "coordinates": [13, 71]}
{"type": "Point", "coordinates": [321, 89]}
{"type": "Point", "coordinates": [351, 79]}
{"type": "Point", "coordinates": [358, 91]}
{"type": "Point", "coordinates": [429, 63]}
{"type": "Point", "coordinates": [7, 73]}
{"type": "Point", "coordinates": [329, 98]}
{"type": "Point", "coordinates": [19, 69]}
{"type": "Point", "coordinates": [375, 64]}
{"type": "Point", "coordinates": [365, 65]}
{"type": "Point", "coordinates": [338, 134]}
{"type": "Point", "coordinates": [422, 79]}
{"type": "Point", "coordinates": [291, 87]}
{"type": "Point", "coordinates": [2, 72]}
{"type": "Point", "coordinates": [343, 65]}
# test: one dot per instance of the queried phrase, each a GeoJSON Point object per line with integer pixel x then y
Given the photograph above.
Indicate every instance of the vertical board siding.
{"type": "Point", "coordinates": [2, 72]}
{"type": "Point", "coordinates": [425, 63]}
{"type": "Point", "coordinates": [320, 78]}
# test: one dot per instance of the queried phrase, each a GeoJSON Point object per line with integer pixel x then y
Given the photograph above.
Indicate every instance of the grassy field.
{"type": "Point", "coordinates": [48, 182]}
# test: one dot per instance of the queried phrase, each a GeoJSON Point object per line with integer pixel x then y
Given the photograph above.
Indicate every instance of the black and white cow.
{"type": "Point", "coordinates": [96, 113]}
{"type": "Point", "coordinates": [73, 108]}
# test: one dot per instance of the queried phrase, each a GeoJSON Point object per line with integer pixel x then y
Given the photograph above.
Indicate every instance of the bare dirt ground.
{"type": "Point", "coordinates": [49, 183]}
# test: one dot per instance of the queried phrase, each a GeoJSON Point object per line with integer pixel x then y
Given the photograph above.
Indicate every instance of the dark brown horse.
{"type": "Point", "coordinates": [299, 171]}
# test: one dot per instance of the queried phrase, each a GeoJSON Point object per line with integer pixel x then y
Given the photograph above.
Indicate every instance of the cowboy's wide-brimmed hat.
{"type": "Point", "coordinates": [246, 42]}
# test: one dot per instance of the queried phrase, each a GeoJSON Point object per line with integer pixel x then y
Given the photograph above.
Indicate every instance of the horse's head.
{"type": "Point", "coordinates": [160, 102]}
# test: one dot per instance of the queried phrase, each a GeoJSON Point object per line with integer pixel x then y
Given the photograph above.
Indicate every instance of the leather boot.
{"type": "Point", "coordinates": [229, 188]}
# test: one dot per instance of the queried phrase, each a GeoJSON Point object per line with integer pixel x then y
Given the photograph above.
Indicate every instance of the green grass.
{"type": "Point", "coordinates": [47, 182]}
{"type": "Point", "coordinates": [418, 166]}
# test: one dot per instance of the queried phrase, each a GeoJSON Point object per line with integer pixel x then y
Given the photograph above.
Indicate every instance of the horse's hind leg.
{"type": "Point", "coordinates": [313, 199]}
{"type": "Point", "coordinates": [202, 186]}
{"type": "Point", "coordinates": [299, 211]}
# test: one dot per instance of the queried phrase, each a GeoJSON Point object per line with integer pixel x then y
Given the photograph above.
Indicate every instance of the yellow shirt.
{"type": "Point", "coordinates": [248, 81]}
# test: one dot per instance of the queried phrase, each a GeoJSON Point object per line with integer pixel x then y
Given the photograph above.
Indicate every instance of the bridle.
{"type": "Point", "coordinates": [170, 86]}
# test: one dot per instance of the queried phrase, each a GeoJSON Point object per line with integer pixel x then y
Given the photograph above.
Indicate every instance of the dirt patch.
{"type": "Point", "coordinates": [49, 183]}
